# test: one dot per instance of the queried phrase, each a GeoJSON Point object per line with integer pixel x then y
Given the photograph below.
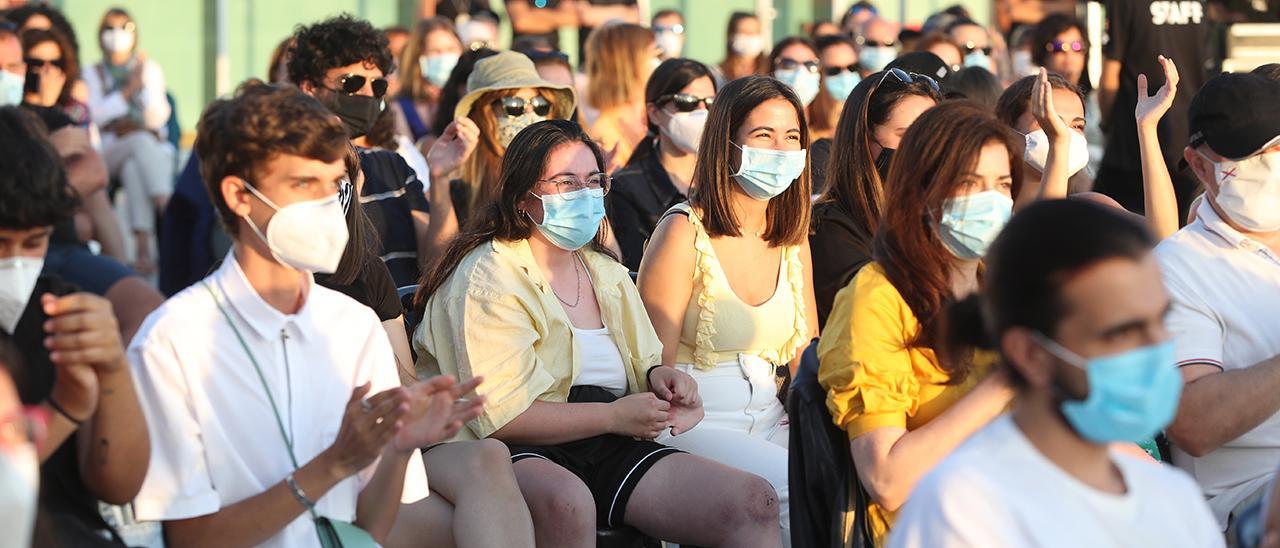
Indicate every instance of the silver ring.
{"type": "Point", "coordinates": [364, 406]}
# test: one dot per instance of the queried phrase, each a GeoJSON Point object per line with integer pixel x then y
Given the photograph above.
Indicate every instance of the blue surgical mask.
{"type": "Point", "coordinates": [876, 58]}
{"type": "Point", "coordinates": [970, 223]}
{"type": "Point", "coordinates": [437, 68]}
{"type": "Point", "coordinates": [977, 59]}
{"type": "Point", "coordinates": [804, 83]}
{"type": "Point", "coordinates": [571, 220]}
{"type": "Point", "coordinates": [1132, 395]}
{"type": "Point", "coordinates": [11, 88]}
{"type": "Point", "coordinates": [765, 173]}
{"type": "Point", "coordinates": [841, 85]}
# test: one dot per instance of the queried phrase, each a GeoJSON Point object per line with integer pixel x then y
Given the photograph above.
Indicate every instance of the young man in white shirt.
{"type": "Point", "coordinates": [1073, 302]}
{"type": "Point", "coordinates": [1223, 273]}
{"type": "Point", "coordinates": [276, 401]}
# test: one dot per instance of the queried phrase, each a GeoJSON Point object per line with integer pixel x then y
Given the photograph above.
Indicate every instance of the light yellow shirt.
{"type": "Point", "coordinates": [873, 378]}
{"type": "Point", "coordinates": [496, 317]}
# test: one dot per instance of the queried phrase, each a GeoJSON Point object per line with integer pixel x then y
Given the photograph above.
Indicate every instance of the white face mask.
{"type": "Point", "coordinates": [670, 43]}
{"type": "Point", "coordinates": [12, 87]}
{"type": "Point", "coordinates": [17, 280]}
{"type": "Point", "coordinates": [309, 236]}
{"type": "Point", "coordinates": [1037, 151]}
{"type": "Point", "coordinates": [117, 40]}
{"type": "Point", "coordinates": [806, 84]}
{"type": "Point", "coordinates": [747, 45]}
{"type": "Point", "coordinates": [1249, 191]}
{"type": "Point", "coordinates": [1022, 64]}
{"type": "Point", "coordinates": [684, 129]}
{"type": "Point", "coordinates": [19, 484]}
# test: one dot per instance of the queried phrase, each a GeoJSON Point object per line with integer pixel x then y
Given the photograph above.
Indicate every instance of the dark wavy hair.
{"type": "Point", "coordinates": [1049, 28]}
{"type": "Point", "coordinates": [336, 42]}
{"type": "Point", "coordinates": [1016, 99]}
{"type": "Point", "coordinates": [33, 186]}
{"type": "Point", "coordinates": [670, 77]}
{"type": "Point", "coordinates": [19, 16]}
{"type": "Point", "coordinates": [70, 64]}
{"type": "Point", "coordinates": [502, 219]}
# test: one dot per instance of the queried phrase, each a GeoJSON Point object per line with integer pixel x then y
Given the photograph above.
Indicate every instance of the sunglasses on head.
{"type": "Point", "coordinates": [514, 107]}
{"type": "Point", "coordinates": [835, 71]}
{"type": "Point", "coordinates": [40, 63]}
{"type": "Point", "coordinates": [351, 84]}
{"type": "Point", "coordinates": [970, 47]}
{"type": "Point", "coordinates": [1058, 46]}
{"type": "Point", "coordinates": [907, 78]}
{"type": "Point", "coordinates": [787, 63]}
{"type": "Point", "coordinates": [685, 102]}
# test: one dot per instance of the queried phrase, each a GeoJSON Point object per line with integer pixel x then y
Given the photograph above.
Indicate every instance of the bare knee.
{"type": "Point", "coordinates": [486, 458]}
{"type": "Point", "coordinates": [752, 502]}
{"type": "Point", "coordinates": [560, 501]}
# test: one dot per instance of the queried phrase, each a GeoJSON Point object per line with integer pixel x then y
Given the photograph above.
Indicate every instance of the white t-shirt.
{"type": "Point", "coordinates": [1225, 289]}
{"type": "Point", "coordinates": [601, 361]}
{"type": "Point", "coordinates": [997, 490]}
{"type": "Point", "coordinates": [214, 436]}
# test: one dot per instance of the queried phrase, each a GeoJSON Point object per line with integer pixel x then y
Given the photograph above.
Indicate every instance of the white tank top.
{"type": "Point", "coordinates": [601, 361]}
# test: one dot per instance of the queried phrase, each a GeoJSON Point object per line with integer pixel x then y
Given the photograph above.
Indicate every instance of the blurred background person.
{"type": "Point", "coordinates": [454, 89]}
{"type": "Point", "coordinates": [456, 11]}
{"type": "Point", "coordinates": [877, 41]}
{"type": "Point", "coordinates": [1011, 14]}
{"type": "Point", "coordinates": [1060, 43]}
{"type": "Point", "coordinates": [856, 15]}
{"type": "Point", "coordinates": [428, 58]}
{"type": "Point", "coordinates": [668, 32]}
{"type": "Point", "coordinates": [794, 62]}
{"type": "Point", "coordinates": [127, 101]}
{"type": "Point", "coordinates": [480, 30]}
{"type": "Point", "coordinates": [743, 49]}
{"type": "Point", "coordinates": [841, 72]}
{"type": "Point", "coordinates": [621, 56]}
{"type": "Point", "coordinates": [823, 28]}
{"type": "Point", "coordinates": [397, 37]}
{"type": "Point", "coordinates": [975, 42]}
{"type": "Point", "coordinates": [975, 84]}
{"type": "Point", "coordinates": [660, 173]}
{"type": "Point", "coordinates": [940, 44]}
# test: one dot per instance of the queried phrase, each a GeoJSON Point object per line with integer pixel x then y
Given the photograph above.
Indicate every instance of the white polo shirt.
{"type": "Point", "coordinates": [214, 438]}
{"type": "Point", "coordinates": [1226, 312]}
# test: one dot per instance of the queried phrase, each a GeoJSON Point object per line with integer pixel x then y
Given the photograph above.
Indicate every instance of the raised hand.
{"type": "Point", "coordinates": [1042, 109]}
{"type": "Point", "coordinates": [681, 391]}
{"type": "Point", "coordinates": [440, 406]}
{"type": "Point", "coordinates": [453, 147]}
{"type": "Point", "coordinates": [367, 427]}
{"type": "Point", "coordinates": [1151, 108]}
{"type": "Point", "coordinates": [641, 416]}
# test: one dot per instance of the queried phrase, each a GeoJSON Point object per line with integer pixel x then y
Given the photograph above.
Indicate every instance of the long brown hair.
{"type": "Point", "coordinates": [853, 183]}
{"type": "Point", "coordinates": [502, 218]}
{"type": "Point", "coordinates": [70, 65]}
{"type": "Point", "coordinates": [787, 215]}
{"type": "Point", "coordinates": [616, 57]}
{"type": "Point", "coordinates": [939, 149]}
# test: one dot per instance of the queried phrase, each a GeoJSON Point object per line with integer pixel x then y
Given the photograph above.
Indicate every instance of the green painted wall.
{"type": "Point", "coordinates": [179, 34]}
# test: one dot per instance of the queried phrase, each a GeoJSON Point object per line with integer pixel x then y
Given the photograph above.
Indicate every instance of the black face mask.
{"type": "Point", "coordinates": [358, 112]}
{"type": "Point", "coordinates": [33, 82]}
{"type": "Point", "coordinates": [882, 163]}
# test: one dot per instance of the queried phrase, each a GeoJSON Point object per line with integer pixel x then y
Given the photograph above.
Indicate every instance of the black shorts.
{"type": "Point", "coordinates": [610, 465]}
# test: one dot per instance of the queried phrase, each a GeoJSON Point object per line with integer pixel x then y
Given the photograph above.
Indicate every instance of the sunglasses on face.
{"type": "Point", "coordinates": [888, 43]}
{"type": "Point", "coordinates": [40, 63]}
{"type": "Point", "coordinates": [835, 71]}
{"type": "Point", "coordinates": [787, 63]}
{"type": "Point", "coordinates": [685, 102]}
{"type": "Point", "coordinates": [351, 84]}
{"type": "Point", "coordinates": [514, 107]}
{"type": "Point", "coordinates": [127, 27]}
{"type": "Point", "coordinates": [675, 29]}
{"type": "Point", "coordinates": [970, 47]}
{"type": "Point", "coordinates": [1058, 46]}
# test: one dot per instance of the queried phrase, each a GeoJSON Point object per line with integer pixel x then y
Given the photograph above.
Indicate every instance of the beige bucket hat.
{"type": "Point", "coordinates": [511, 70]}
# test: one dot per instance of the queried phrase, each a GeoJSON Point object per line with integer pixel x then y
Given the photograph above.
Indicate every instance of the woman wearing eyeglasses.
{"type": "Point", "coordinates": [677, 98]}
{"type": "Point", "coordinates": [127, 101]}
{"type": "Point", "coordinates": [504, 96]}
{"type": "Point", "coordinates": [903, 405]}
{"type": "Point", "coordinates": [727, 277]}
{"type": "Point", "coordinates": [794, 62]}
{"type": "Point", "coordinates": [620, 57]}
{"type": "Point", "coordinates": [876, 115]}
{"type": "Point", "coordinates": [530, 299]}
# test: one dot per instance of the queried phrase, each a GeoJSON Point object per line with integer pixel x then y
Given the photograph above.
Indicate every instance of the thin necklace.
{"type": "Point", "coordinates": [578, 276]}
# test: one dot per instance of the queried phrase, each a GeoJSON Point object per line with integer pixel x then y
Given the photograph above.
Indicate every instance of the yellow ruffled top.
{"type": "Point", "coordinates": [718, 325]}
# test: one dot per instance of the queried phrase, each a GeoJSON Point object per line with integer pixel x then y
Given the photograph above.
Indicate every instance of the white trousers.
{"type": "Point", "coordinates": [144, 165]}
{"type": "Point", "coordinates": [745, 426]}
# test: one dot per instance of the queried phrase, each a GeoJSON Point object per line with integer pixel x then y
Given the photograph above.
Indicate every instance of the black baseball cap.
{"type": "Point", "coordinates": [1236, 114]}
{"type": "Point", "coordinates": [922, 62]}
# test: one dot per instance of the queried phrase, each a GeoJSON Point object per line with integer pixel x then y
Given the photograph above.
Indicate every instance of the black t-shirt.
{"type": "Point", "coordinates": [839, 249]}
{"type": "Point", "coordinates": [65, 502]}
{"type": "Point", "coordinates": [372, 288]}
{"type": "Point", "coordinates": [53, 118]}
{"type": "Point", "coordinates": [1137, 32]}
{"type": "Point", "coordinates": [391, 193]}
{"type": "Point", "coordinates": [641, 193]}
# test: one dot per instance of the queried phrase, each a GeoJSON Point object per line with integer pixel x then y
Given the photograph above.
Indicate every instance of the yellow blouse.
{"type": "Point", "coordinates": [718, 325]}
{"type": "Point", "coordinates": [873, 380]}
{"type": "Point", "coordinates": [496, 316]}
